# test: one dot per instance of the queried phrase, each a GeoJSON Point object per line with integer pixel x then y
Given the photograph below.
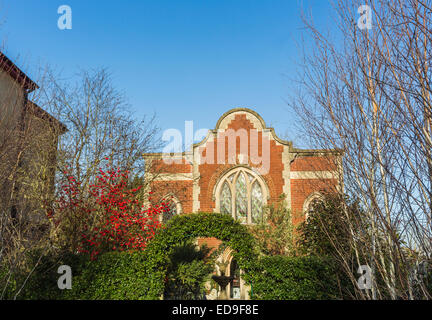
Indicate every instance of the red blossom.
{"type": "Point", "coordinates": [124, 224]}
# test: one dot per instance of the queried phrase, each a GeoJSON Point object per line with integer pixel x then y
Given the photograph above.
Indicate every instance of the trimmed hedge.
{"type": "Point", "coordinates": [141, 275]}
{"type": "Point", "coordinates": [114, 276]}
{"type": "Point", "coordinates": [294, 278]}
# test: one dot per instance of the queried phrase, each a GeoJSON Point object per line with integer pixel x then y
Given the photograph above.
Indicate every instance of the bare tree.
{"type": "Point", "coordinates": [102, 131]}
{"type": "Point", "coordinates": [368, 92]}
{"type": "Point", "coordinates": [62, 129]}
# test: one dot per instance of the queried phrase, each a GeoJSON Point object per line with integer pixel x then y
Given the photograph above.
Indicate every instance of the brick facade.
{"type": "Point", "coordinates": [193, 176]}
{"type": "Point", "coordinates": [241, 144]}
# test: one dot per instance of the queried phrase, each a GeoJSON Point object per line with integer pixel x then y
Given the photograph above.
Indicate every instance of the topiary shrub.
{"type": "Point", "coordinates": [294, 278]}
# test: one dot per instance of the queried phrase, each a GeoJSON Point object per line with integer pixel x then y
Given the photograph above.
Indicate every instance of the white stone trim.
{"type": "Point", "coordinates": [286, 159]}
{"type": "Point", "coordinates": [196, 176]}
{"type": "Point", "coordinates": [313, 175]}
{"type": "Point", "coordinates": [172, 176]}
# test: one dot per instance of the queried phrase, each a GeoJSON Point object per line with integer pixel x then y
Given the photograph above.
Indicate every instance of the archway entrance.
{"type": "Point", "coordinates": [200, 225]}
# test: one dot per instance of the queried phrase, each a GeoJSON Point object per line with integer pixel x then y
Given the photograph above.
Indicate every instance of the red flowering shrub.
{"type": "Point", "coordinates": [108, 216]}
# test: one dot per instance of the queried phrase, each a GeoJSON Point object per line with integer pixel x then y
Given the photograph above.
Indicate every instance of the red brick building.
{"type": "Point", "coordinates": [238, 168]}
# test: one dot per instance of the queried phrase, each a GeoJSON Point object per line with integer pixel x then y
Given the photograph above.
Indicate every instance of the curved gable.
{"type": "Point", "coordinates": [242, 118]}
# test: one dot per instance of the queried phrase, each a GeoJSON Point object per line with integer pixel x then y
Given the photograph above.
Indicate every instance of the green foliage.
{"type": "Point", "coordinates": [143, 275]}
{"type": "Point", "coordinates": [327, 226]}
{"type": "Point", "coordinates": [114, 275]}
{"type": "Point", "coordinates": [188, 270]}
{"type": "Point", "coordinates": [274, 233]}
{"type": "Point", "coordinates": [119, 276]}
{"type": "Point", "coordinates": [8, 283]}
{"type": "Point", "coordinates": [191, 226]}
{"type": "Point", "coordinates": [39, 280]}
{"type": "Point", "coordinates": [294, 278]}
{"type": "Point", "coordinates": [172, 267]}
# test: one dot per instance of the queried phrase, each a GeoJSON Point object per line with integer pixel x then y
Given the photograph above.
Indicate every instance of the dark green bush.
{"type": "Point", "coordinates": [8, 284]}
{"type": "Point", "coordinates": [294, 278]}
{"type": "Point", "coordinates": [114, 275]}
{"type": "Point", "coordinates": [188, 270]}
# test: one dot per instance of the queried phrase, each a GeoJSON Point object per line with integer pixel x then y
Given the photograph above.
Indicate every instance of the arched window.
{"type": "Point", "coordinates": [174, 208]}
{"type": "Point", "coordinates": [310, 203]}
{"type": "Point", "coordinates": [241, 193]}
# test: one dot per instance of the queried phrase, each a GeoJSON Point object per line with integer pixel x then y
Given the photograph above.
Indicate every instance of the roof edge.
{"type": "Point", "coordinates": [16, 73]}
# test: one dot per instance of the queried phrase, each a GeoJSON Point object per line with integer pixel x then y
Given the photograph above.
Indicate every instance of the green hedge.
{"type": "Point", "coordinates": [114, 275]}
{"type": "Point", "coordinates": [294, 278]}
{"type": "Point", "coordinates": [141, 275]}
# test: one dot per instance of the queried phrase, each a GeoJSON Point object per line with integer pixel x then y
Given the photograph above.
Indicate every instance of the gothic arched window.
{"type": "Point", "coordinates": [173, 206]}
{"type": "Point", "coordinates": [241, 193]}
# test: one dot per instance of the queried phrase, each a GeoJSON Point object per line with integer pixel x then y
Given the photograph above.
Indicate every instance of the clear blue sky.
{"type": "Point", "coordinates": [186, 60]}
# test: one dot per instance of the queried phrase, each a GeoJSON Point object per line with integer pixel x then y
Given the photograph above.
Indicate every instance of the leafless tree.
{"type": "Point", "coordinates": [102, 129]}
{"type": "Point", "coordinates": [367, 91]}
{"type": "Point", "coordinates": [28, 144]}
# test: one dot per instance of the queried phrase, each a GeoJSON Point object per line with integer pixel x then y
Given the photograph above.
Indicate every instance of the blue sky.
{"type": "Point", "coordinates": [184, 60]}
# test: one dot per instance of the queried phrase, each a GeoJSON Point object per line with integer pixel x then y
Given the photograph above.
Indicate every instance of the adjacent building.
{"type": "Point", "coordinates": [28, 145]}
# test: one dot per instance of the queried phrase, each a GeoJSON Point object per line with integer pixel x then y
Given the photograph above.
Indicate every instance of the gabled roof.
{"type": "Point", "coordinates": [16, 73]}
{"type": "Point", "coordinates": [28, 84]}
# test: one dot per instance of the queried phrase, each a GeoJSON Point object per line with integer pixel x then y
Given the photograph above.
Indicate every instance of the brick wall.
{"type": "Point", "coordinates": [300, 164]}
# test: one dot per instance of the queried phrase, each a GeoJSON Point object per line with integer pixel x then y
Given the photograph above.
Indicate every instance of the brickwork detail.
{"type": "Point", "coordinates": [195, 188]}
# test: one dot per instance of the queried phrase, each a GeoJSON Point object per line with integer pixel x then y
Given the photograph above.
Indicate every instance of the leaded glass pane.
{"type": "Point", "coordinates": [231, 177]}
{"type": "Point", "coordinates": [256, 204]}
{"type": "Point", "coordinates": [251, 177]}
{"type": "Point", "coordinates": [241, 198]}
{"type": "Point", "coordinates": [225, 199]}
